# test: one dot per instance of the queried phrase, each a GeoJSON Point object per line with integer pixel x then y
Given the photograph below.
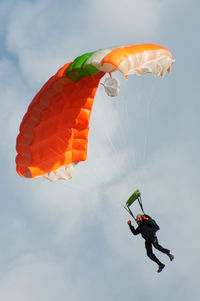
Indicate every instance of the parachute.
{"type": "Point", "coordinates": [135, 196]}
{"type": "Point", "coordinates": [53, 135]}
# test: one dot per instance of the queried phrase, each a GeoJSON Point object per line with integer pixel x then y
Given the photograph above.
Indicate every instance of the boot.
{"type": "Point", "coordinates": [171, 257]}
{"type": "Point", "coordinates": [160, 267]}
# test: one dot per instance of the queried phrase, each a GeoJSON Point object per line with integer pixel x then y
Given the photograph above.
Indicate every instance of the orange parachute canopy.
{"type": "Point", "coordinates": [53, 134]}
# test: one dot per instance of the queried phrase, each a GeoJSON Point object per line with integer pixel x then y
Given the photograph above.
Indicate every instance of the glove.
{"type": "Point", "coordinates": [129, 222]}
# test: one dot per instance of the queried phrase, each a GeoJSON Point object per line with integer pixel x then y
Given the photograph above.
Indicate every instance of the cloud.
{"type": "Point", "coordinates": [127, 19]}
{"type": "Point", "coordinates": [34, 278]}
{"type": "Point", "coordinates": [63, 31]}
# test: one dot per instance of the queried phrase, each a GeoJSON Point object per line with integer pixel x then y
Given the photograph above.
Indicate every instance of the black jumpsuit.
{"type": "Point", "coordinates": [148, 232]}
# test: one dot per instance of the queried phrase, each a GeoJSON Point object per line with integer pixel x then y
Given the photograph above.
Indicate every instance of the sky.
{"type": "Point", "coordinates": [69, 240]}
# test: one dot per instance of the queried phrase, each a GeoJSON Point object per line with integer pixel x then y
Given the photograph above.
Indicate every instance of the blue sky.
{"type": "Point", "coordinates": [70, 240]}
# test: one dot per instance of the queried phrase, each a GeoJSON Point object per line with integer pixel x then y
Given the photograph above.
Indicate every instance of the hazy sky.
{"type": "Point", "coordinates": [69, 240]}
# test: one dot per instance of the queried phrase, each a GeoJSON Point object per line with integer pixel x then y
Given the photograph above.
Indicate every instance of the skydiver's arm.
{"type": "Point", "coordinates": [133, 230]}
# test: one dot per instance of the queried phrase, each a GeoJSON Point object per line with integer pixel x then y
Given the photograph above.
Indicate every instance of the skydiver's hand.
{"type": "Point", "coordinates": [129, 222]}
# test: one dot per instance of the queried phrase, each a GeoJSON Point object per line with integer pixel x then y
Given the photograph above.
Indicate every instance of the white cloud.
{"type": "Point", "coordinates": [62, 32]}
{"type": "Point", "coordinates": [32, 278]}
{"type": "Point", "coordinates": [131, 20]}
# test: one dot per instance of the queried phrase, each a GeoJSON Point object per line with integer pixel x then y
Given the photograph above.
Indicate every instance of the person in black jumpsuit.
{"type": "Point", "coordinates": [147, 228]}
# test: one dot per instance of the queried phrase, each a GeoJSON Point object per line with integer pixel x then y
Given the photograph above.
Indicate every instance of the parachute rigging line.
{"type": "Point", "coordinates": [135, 196]}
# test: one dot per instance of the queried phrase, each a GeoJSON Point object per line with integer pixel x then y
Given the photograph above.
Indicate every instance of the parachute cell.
{"type": "Point", "coordinates": [53, 134]}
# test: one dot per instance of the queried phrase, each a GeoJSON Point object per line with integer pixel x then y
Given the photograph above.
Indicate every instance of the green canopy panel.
{"type": "Point", "coordinates": [132, 198]}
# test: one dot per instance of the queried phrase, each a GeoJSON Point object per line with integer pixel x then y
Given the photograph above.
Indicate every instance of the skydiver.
{"type": "Point", "coordinates": [147, 228]}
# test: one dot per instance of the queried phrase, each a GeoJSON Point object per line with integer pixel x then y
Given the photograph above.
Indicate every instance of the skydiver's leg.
{"type": "Point", "coordinates": [159, 247]}
{"type": "Point", "coordinates": [148, 246]}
